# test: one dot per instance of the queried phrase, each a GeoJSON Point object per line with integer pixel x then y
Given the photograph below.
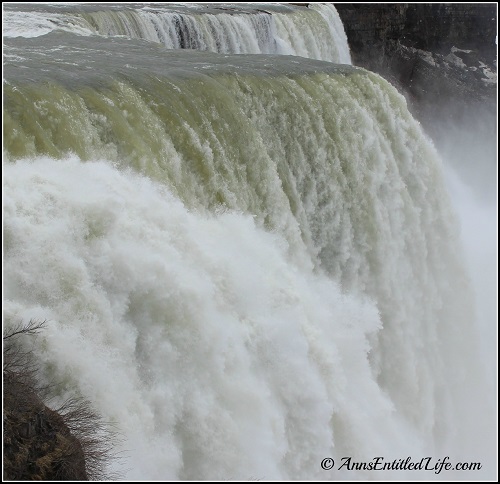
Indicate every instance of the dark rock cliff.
{"type": "Point", "coordinates": [443, 56]}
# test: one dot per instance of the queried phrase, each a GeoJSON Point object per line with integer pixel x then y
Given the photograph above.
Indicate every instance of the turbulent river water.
{"type": "Point", "coordinates": [243, 245]}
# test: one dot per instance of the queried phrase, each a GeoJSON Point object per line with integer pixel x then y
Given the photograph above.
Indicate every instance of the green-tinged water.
{"type": "Point", "coordinates": [253, 257]}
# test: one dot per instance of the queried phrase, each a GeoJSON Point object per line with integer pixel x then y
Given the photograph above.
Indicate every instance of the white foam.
{"type": "Point", "coordinates": [214, 354]}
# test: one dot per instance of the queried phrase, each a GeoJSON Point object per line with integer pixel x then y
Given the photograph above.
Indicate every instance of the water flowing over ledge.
{"type": "Point", "coordinates": [249, 262]}
{"type": "Point", "coordinates": [315, 32]}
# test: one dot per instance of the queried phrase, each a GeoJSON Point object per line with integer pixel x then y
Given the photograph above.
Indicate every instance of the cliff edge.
{"type": "Point", "coordinates": [443, 56]}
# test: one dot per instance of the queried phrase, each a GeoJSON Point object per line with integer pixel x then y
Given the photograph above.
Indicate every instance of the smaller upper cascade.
{"type": "Point", "coordinates": [308, 30]}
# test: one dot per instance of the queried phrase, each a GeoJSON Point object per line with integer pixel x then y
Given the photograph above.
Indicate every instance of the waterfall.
{"type": "Point", "coordinates": [248, 262]}
{"type": "Point", "coordinates": [315, 32]}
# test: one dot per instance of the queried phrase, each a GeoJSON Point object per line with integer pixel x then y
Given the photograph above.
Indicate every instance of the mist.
{"type": "Point", "coordinates": [468, 147]}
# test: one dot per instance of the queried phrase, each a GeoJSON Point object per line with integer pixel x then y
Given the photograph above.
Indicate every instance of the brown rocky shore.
{"type": "Point", "coordinates": [38, 444]}
{"type": "Point", "coordinates": [68, 443]}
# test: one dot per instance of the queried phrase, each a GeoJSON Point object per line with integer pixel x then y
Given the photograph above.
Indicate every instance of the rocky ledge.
{"type": "Point", "coordinates": [71, 443]}
{"type": "Point", "coordinates": [38, 445]}
{"type": "Point", "coordinates": [442, 56]}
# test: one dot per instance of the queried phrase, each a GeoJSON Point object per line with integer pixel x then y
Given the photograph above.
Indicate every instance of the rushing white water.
{"type": "Point", "coordinates": [227, 348]}
{"type": "Point", "coordinates": [216, 356]}
{"type": "Point", "coordinates": [22, 23]}
{"type": "Point", "coordinates": [315, 32]}
{"type": "Point", "coordinates": [248, 263]}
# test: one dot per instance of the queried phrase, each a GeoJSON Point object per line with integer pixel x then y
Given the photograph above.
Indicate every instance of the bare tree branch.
{"type": "Point", "coordinates": [32, 327]}
{"type": "Point", "coordinates": [93, 437]}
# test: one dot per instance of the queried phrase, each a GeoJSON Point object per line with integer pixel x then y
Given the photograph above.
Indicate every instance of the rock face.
{"type": "Point", "coordinates": [71, 443]}
{"type": "Point", "coordinates": [37, 443]}
{"type": "Point", "coordinates": [431, 27]}
{"type": "Point", "coordinates": [443, 56]}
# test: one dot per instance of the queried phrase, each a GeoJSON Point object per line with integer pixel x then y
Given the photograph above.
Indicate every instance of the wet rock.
{"type": "Point", "coordinates": [38, 445]}
{"type": "Point", "coordinates": [442, 56]}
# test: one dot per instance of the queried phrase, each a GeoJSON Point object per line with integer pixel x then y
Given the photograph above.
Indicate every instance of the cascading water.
{"type": "Point", "coordinates": [249, 263]}
{"type": "Point", "coordinates": [315, 32]}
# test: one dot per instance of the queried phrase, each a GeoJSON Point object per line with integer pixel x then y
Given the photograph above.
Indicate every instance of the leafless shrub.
{"type": "Point", "coordinates": [17, 362]}
{"type": "Point", "coordinates": [85, 432]}
{"type": "Point", "coordinates": [97, 437]}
